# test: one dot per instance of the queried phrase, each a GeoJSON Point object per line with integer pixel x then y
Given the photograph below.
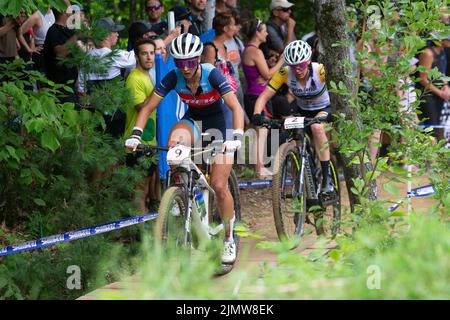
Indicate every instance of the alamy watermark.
{"type": "Point", "coordinates": [74, 280]}
{"type": "Point", "coordinates": [75, 19]}
{"type": "Point", "coordinates": [374, 277]}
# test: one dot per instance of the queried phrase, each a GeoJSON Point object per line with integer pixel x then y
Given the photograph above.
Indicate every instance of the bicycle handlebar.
{"type": "Point", "coordinates": [279, 123]}
{"type": "Point", "coordinates": [150, 150]}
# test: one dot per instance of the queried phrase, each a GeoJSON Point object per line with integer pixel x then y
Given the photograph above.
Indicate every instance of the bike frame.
{"type": "Point", "coordinates": [188, 175]}
{"type": "Point", "coordinates": [303, 149]}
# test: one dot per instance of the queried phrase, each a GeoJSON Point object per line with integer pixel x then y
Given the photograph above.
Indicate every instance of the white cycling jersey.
{"type": "Point", "coordinates": [313, 96]}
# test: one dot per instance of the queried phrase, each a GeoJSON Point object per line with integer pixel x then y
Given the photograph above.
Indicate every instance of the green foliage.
{"type": "Point", "coordinates": [59, 172]}
{"type": "Point", "coordinates": [399, 246]}
{"type": "Point", "coordinates": [383, 59]}
{"type": "Point", "coordinates": [13, 8]}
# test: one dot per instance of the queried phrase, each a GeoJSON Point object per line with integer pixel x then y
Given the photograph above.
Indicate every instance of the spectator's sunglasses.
{"type": "Point", "coordinates": [188, 63]}
{"type": "Point", "coordinates": [154, 8]}
{"type": "Point", "coordinates": [301, 66]}
{"type": "Point", "coordinates": [284, 9]}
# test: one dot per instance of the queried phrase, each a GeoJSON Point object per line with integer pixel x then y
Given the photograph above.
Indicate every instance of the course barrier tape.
{"type": "Point", "coordinates": [87, 232]}
{"type": "Point", "coordinates": [434, 126]}
{"type": "Point", "coordinates": [75, 235]}
{"type": "Point", "coordinates": [251, 184]}
{"type": "Point", "coordinates": [261, 183]}
{"type": "Point", "coordinates": [423, 191]}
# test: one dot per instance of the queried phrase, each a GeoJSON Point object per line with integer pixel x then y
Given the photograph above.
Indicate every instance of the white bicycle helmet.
{"type": "Point", "coordinates": [186, 46]}
{"type": "Point", "coordinates": [296, 52]}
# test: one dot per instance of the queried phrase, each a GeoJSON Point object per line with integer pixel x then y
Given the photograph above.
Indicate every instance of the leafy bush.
{"type": "Point", "coordinates": [59, 172]}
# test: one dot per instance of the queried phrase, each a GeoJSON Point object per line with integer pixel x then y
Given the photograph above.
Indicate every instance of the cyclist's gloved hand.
{"type": "Point", "coordinates": [135, 139]}
{"type": "Point", "coordinates": [235, 144]}
{"type": "Point", "coordinates": [257, 119]}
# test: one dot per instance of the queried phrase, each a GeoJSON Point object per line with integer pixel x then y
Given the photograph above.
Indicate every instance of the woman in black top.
{"type": "Point", "coordinates": [436, 92]}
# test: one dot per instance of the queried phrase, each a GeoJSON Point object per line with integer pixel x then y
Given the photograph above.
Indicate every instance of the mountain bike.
{"type": "Point", "coordinates": [297, 181]}
{"type": "Point", "coordinates": [188, 215]}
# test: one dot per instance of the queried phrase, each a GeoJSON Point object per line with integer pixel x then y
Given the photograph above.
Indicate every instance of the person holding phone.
{"type": "Point", "coordinates": [182, 18]}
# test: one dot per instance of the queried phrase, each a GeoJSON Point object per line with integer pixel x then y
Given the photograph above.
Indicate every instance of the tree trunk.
{"type": "Point", "coordinates": [210, 11]}
{"type": "Point", "coordinates": [133, 11]}
{"type": "Point", "coordinates": [143, 14]}
{"type": "Point", "coordinates": [332, 13]}
{"type": "Point", "coordinates": [88, 6]}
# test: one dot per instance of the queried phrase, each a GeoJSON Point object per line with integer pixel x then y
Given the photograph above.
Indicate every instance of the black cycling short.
{"type": "Point", "coordinates": [214, 124]}
{"type": "Point", "coordinates": [289, 109]}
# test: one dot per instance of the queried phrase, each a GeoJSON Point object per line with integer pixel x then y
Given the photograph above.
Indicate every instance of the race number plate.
{"type": "Point", "coordinates": [294, 123]}
{"type": "Point", "coordinates": [178, 154]}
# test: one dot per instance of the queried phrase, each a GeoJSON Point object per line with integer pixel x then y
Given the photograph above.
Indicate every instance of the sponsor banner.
{"type": "Point", "coordinates": [74, 235]}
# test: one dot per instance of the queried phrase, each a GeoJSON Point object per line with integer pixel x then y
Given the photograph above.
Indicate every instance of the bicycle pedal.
{"type": "Point", "coordinates": [328, 199]}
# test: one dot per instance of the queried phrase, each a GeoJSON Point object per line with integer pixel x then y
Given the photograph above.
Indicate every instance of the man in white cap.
{"type": "Point", "coordinates": [280, 25]}
{"type": "Point", "coordinates": [95, 78]}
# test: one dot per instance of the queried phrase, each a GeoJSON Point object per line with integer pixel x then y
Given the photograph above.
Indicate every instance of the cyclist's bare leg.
{"type": "Point", "coordinates": [143, 197]}
{"type": "Point", "coordinates": [260, 146]}
{"type": "Point", "coordinates": [322, 148]}
{"type": "Point", "coordinates": [220, 172]}
{"type": "Point", "coordinates": [154, 192]}
{"type": "Point", "coordinates": [181, 133]}
{"type": "Point", "coordinates": [320, 141]}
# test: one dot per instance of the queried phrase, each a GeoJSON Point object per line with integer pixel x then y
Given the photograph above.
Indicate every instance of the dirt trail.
{"type": "Point", "coordinates": [257, 213]}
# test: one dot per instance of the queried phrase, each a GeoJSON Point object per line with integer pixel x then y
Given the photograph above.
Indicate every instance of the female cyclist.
{"type": "Point", "coordinates": [307, 84]}
{"type": "Point", "coordinates": [205, 90]}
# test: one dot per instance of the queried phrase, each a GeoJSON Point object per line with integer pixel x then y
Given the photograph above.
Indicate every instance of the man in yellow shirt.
{"type": "Point", "coordinates": [141, 86]}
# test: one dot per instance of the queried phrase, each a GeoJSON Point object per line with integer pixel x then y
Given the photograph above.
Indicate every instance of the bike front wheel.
{"type": "Point", "coordinates": [170, 227]}
{"type": "Point", "coordinates": [289, 200]}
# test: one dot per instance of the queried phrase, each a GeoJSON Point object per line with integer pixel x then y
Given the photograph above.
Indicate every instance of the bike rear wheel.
{"type": "Point", "coordinates": [289, 203]}
{"type": "Point", "coordinates": [170, 227]}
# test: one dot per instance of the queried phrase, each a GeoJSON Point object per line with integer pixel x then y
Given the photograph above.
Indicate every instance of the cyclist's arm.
{"type": "Point", "coordinates": [238, 114]}
{"type": "Point", "coordinates": [262, 100]}
{"type": "Point", "coordinates": [271, 89]}
{"type": "Point", "coordinates": [138, 89]}
{"type": "Point", "coordinates": [149, 105]}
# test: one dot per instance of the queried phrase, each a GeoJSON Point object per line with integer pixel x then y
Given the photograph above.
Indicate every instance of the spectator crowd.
{"type": "Point", "coordinates": [247, 51]}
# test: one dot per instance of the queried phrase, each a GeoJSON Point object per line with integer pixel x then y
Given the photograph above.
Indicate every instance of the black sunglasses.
{"type": "Point", "coordinates": [154, 8]}
{"type": "Point", "coordinates": [284, 9]}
